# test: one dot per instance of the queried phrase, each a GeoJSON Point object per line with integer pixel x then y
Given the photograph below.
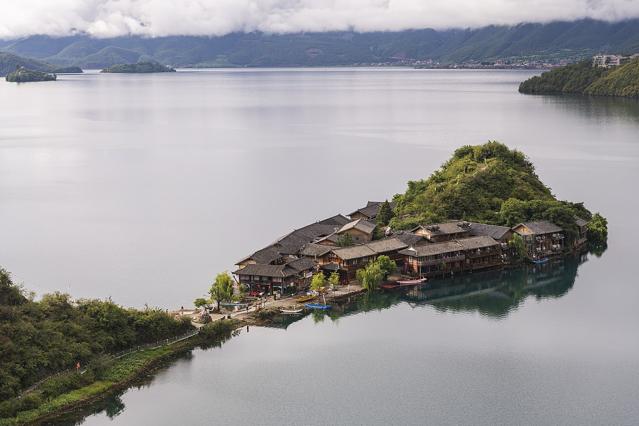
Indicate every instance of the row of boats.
{"type": "Point", "coordinates": [306, 299]}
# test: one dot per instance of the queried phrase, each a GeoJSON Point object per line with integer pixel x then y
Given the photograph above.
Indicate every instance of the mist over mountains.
{"type": "Point", "coordinates": [552, 41]}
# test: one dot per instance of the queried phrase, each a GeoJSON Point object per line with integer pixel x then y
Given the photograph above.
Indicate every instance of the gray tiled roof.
{"type": "Point", "coordinates": [542, 227]}
{"type": "Point", "coordinates": [481, 241]}
{"type": "Point", "coordinates": [371, 209]}
{"type": "Point", "coordinates": [354, 252]}
{"type": "Point", "coordinates": [432, 249]}
{"type": "Point", "coordinates": [386, 245]}
{"type": "Point", "coordinates": [359, 224]}
{"type": "Point", "coordinates": [312, 250]}
{"type": "Point", "coordinates": [445, 228]}
{"type": "Point", "coordinates": [302, 264]}
{"type": "Point", "coordinates": [272, 271]}
{"type": "Point", "coordinates": [495, 231]}
{"type": "Point", "coordinates": [580, 222]}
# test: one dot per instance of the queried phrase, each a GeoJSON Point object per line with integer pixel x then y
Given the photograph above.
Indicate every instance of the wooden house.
{"type": "Point", "coordinates": [439, 232]}
{"type": "Point", "coordinates": [481, 252]}
{"type": "Point", "coordinates": [541, 239]}
{"type": "Point", "coordinates": [360, 231]}
{"type": "Point", "coordinates": [349, 259]}
{"type": "Point", "coordinates": [433, 259]}
{"type": "Point", "coordinates": [293, 275]}
{"type": "Point", "coordinates": [369, 212]}
{"type": "Point", "coordinates": [582, 238]}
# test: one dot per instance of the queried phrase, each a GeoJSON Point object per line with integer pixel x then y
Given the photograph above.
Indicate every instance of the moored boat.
{"type": "Point", "coordinates": [292, 311]}
{"type": "Point", "coordinates": [402, 284]}
{"type": "Point", "coordinates": [307, 298]}
{"type": "Point", "coordinates": [317, 306]}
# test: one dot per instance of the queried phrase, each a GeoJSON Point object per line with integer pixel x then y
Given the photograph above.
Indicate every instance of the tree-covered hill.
{"type": "Point", "coordinates": [23, 75]}
{"type": "Point", "coordinates": [38, 338]}
{"type": "Point", "coordinates": [620, 81]}
{"type": "Point", "coordinates": [138, 68]}
{"type": "Point", "coordinates": [485, 183]}
{"type": "Point", "coordinates": [10, 62]}
{"type": "Point", "coordinates": [583, 78]}
{"type": "Point", "coordinates": [578, 39]}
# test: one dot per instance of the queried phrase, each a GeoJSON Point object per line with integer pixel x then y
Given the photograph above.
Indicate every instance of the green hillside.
{"type": "Point", "coordinates": [139, 68]}
{"type": "Point", "coordinates": [23, 75]}
{"type": "Point", "coordinates": [621, 81]}
{"type": "Point", "coordinates": [583, 78]}
{"type": "Point", "coordinates": [486, 183]}
{"type": "Point", "coordinates": [551, 41]}
{"type": "Point", "coordinates": [10, 62]}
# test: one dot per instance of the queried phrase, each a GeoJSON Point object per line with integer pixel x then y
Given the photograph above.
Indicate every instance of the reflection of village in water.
{"type": "Point", "coordinates": [493, 294]}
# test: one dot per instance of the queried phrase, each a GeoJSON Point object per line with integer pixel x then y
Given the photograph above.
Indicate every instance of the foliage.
{"type": "Point", "coordinates": [486, 183]}
{"type": "Point", "coordinates": [597, 230]}
{"type": "Point", "coordinates": [371, 276]}
{"type": "Point", "coordinates": [139, 68]}
{"type": "Point", "coordinates": [318, 281]}
{"type": "Point", "coordinates": [385, 214]}
{"type": "Point", "coordinates": [10, 62]}
{"type": "Point", "coordinates": [345, 240]}
{"type": "Point", "coordinates": [23, 75]}
{"type": "Point", "coordinates": [222, 289]}
{"type": "Point", "coordinates": [387, 265]}
{"type": "Point", "coordinates": [41, 338]}
{"type": "Point", "coordinates": [333, 280]}
{"type": "Point", "coordinates": [518, 247]}
{"type": "Point", "coordinates": [573, 78]}
{"type": "Point", "coordinates": [200, 302]}
{"type": "Point", "coordinates": [619, 81]}
{"type": "Point", "coordinates": [583, 78]}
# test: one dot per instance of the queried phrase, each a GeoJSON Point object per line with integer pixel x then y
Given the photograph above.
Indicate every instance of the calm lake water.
{"type": "Point", "coordinates": [143, 187]}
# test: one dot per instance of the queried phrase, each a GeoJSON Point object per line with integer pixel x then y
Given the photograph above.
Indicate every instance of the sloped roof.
{"type": "Point", "coordinates": [481, 241]}
{"type": "Point", "coordinates": [386, 245]}
{"type": "Point", "coordinates": [541, 227]}
{"type": "Point", "coordinates": [354, 252]}
{"type": "Point", "coordinates": [432, 249]}
{"type": "Point", "coordinates": [495, 231]}
{"type": "Point", "coordinates": [445, 228]}
{"type": "Point", "coordinates": [359, 224]}
{"type": "Point", "coordinates": [580, 222]}
{"type": "Point", "coordinates": [371, 209]}
{"type": "Point", "coordinates": [313, 250]}
{"type": "Point", "coordinates": [301, 264]}
{"type": "Point", "coordinates": [273, 271]}
{"type": "Point", "coordinates": [408, 238]}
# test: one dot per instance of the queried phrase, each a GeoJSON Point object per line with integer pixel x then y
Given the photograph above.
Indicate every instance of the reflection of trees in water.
{"type": "Point", "coordinates": [596, 107]}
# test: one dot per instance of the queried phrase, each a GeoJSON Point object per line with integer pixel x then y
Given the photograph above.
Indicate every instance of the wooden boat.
{"type": "Point", "coordinates": [292, 311]}
{"type": "Point", "coordinates": [403, 284]}
{"type": "Point", "coordinates": [317, 306]}
{"type": "Point", "coordinates": [540, 261]}
{"type": "Point", "coordinates": [307, 298]}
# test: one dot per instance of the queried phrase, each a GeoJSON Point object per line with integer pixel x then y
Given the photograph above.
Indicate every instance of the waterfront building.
{"type": "Point", "coordinates": [439, 232]}
{"type": "Point", "coordinates": [359, 230]}
{"type": "Point", "coordinates": [541, 238]}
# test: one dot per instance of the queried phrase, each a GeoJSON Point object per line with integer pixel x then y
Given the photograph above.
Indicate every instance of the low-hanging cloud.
{"type": "Point", "coordinates": [109, 18]}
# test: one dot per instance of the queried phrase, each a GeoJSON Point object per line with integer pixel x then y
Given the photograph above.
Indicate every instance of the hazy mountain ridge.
{"type": "Point", "coordinates": [553, 40]}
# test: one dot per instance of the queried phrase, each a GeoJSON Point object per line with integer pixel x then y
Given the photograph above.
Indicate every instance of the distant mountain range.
{"type": "Point", "coordinates": [547, 42]}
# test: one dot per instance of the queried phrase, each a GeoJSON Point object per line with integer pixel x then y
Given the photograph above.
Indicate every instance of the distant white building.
{"type": "Point", "coordinates": [609, 61]}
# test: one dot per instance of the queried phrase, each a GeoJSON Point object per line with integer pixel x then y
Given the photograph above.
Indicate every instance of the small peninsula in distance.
{"type": "Point", "coordinates": [23, 75]}
{"type": "Point", "coordinates": [597, 78]}
{"type": "Point", "coordinates": [138, 68]}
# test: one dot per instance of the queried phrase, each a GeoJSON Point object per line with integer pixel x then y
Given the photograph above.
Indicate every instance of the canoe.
{"type": "Point", "coordinates": [403, 284]}
{"type": "Point", "coordinates": [292, 311]}
{"type": "Point", "coordinates": [317, 306]}
{"type": "Point", "coordinates": [540, 261]}
{"type": "Point", "coordinates": [303, 299]}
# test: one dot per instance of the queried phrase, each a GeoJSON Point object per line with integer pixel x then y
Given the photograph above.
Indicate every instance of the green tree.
{"type": "Point", "coordinates": [345, 240]}
{"type": "Point", "coordinates": [318, 281]}
{"type": "Point", "coordinates": [333, 280]}
{"type": "Point", "coordinates": [222, 289]}
{"type": "Point", "coordinates": [597, 230]}
{"type": "Point", "coordinates": [385, 214]}
{"type": "Point", "coordinates": [387, 265]}
{"type": "Point", "coordinates": [517, 246]}
{"type": "Point", "coordinates": [201, 302]}
{"type": "Point", "coordinates": [370, 277]}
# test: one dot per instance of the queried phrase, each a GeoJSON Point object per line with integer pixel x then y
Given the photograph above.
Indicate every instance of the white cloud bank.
{"type": "Point", "coordinates": [108, 18]}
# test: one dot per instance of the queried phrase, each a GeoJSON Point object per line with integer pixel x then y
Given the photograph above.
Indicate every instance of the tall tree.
{"type": "Point", "coordinates": [318, 281]}
{"type": "Point", "coordinates": [385, 214]}
{"type": "Point", "coordinates": [222, 289]}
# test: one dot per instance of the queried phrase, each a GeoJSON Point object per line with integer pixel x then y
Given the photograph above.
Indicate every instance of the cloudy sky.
{"type": "Point", "coordinates": [107, 18]}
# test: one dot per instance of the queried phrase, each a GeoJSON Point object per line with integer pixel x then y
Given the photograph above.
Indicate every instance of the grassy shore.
{"type": "Point", "coordinates": [116, 376]}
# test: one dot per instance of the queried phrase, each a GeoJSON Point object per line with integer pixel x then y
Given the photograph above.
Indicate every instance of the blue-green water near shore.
{"type": "Point", "coordinates": [142, 187]}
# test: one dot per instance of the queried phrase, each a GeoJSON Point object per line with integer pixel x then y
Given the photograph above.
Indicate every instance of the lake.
{"type": "Point", "coordinates": [143, 187]}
